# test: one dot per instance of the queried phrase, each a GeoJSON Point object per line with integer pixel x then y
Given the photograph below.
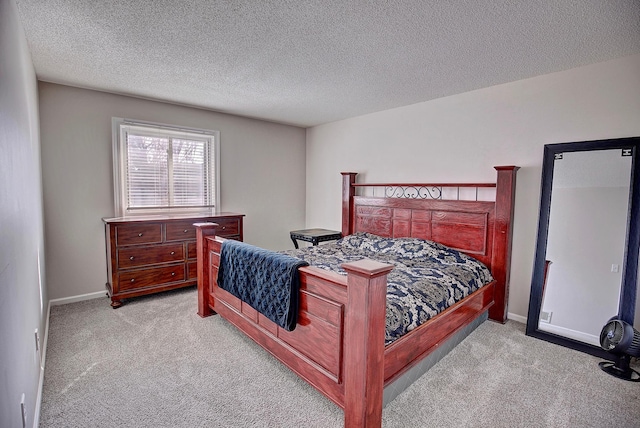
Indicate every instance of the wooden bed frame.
{"type": "Point", "coordinates": [338, 344]}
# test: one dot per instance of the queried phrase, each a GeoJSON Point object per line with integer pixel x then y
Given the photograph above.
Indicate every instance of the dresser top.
{"type": "Point", "coordinates": [165, 217]}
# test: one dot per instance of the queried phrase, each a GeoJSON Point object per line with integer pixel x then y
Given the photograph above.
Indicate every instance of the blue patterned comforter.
{"type": "Point", "coordinates": [428, 277]}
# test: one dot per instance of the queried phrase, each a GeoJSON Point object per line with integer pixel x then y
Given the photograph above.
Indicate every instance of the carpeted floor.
{"type": "Point", "coordinates": [155, 363]}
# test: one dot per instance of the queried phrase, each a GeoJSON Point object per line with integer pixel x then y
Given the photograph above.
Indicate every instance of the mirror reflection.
{"type": "Point", "coordinates": [586, 242]}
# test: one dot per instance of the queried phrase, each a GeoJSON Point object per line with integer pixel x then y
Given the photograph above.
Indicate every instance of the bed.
{"type": "Point", "coordinates": [338, 344]}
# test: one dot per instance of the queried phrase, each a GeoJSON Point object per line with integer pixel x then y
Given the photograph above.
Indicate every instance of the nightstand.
{"type": "Point", "coordinates": [314, 236]}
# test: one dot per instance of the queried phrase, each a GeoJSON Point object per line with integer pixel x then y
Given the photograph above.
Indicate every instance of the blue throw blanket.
{"type": "Point", "coordinates": [266, 280]}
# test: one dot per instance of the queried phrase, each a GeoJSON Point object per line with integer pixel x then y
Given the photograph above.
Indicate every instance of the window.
{"type": "Point", "coordinates": [162, 168]}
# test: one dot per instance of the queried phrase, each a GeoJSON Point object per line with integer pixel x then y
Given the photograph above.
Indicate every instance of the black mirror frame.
{"type": "Point", "coordinates": [626, 306]}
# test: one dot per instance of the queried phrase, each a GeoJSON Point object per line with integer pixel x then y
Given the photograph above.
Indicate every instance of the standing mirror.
{"type": "Point", "coordinates": [586, 262]}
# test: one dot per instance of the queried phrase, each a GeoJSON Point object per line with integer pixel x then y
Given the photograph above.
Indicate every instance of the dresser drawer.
{"type": "Point", "coordinates": [181, 230]}
{"type": "Point", "coordinates": [130, 257]}
{"type": "Point", "coordinates": [133, 234]}
{"type": "Point", "coordinates": [146, 277]}
{"type": "Point", "coordinates": [227, 226]}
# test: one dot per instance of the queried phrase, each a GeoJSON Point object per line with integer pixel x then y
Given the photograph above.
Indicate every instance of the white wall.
{"type": "Point", "coordinates": [21, 226]}
{"type": "Point", "coordinates": [462, 137]}
{"type": "Point", "coordinates": [262, 176]}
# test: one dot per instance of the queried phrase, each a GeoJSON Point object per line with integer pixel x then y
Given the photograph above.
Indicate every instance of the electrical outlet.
{"type": "Point", "coordinates": [23, 409]}
{"type": "Point", "coordinates": [545, 316]}
{"type": "Point", "coordinates": [615, 268]}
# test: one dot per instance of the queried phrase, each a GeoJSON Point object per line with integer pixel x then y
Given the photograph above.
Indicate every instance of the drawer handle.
{"type": "Point", "coordinates": [173, 274]}
{"type": "Point", "coordinates": [224, 227]}
{"type": "Point", "coordinates": [133, 279]}
{"type": "Point", "coordinates": [131, 258]}
{"type": "Point", "coordinates": [173, 252]}
{"type": "Point", "coordinates": [186, 230]}
{"type": "Point", "coordinates": [140, 234]}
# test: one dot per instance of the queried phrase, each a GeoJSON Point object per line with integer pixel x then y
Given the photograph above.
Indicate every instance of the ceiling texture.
{"type": "Point", "coordinates": [309, 62]}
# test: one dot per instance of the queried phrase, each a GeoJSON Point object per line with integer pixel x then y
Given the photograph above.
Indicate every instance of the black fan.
{"type": "Point", "coordinates": [621, 339]}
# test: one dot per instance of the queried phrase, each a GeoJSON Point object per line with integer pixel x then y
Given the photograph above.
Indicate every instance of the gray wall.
{"type": "Point", "coordinates": [463, 136]}
{"type": "Point", "coordinates": [262, 176]}
{"type": "Point", "coordinates": [22, 297]}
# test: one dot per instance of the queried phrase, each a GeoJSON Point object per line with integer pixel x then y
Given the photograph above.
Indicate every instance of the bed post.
{"type": "Point", "coordinates": [202, 250]}
{"type": "Point", "coordinates": [348, 192]}
{"type": "Point", "coordinates": [502, 234]}
{"type": "Point", "coordinates": [364, 342]}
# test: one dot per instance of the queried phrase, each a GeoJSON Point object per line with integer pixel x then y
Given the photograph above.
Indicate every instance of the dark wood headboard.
{"type": "Point", "coordinates": [482, 229]}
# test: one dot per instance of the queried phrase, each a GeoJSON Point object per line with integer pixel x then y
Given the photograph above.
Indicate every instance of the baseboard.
{"type": "Point", "coordinates": [516, 317]}
{"type": "Point", "coordinates": [79, 298]}
{"type": "Point", "coordinates": [571, 334]}
{"type": "Point", "coordinates": [561, 331]}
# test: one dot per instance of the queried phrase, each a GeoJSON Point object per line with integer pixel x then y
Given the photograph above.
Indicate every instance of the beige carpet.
{"type": "Point", "coordinates": [155, 363]}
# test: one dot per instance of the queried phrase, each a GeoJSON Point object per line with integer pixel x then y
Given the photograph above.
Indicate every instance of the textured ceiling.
{"type": "Point", "coordinates": [311, 62]}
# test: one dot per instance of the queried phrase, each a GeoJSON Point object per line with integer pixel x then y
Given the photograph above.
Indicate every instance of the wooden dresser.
{"type": "Point", "coordinates": [151, 254]}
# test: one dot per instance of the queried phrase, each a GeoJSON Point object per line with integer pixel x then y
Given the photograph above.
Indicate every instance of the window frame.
{"type": "Point", "coordinates": [120, 192]}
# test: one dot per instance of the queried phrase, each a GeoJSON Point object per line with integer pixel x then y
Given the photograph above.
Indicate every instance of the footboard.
{"type": "Point", "coordinates": [338, 343]}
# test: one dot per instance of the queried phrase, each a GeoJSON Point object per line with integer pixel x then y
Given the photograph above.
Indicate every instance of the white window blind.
{"type": "Point", "coordinates": [162, 168]}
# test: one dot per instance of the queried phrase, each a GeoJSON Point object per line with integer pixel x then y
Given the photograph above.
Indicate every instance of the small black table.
{"type": "Point", "coordinates": [314, 236]}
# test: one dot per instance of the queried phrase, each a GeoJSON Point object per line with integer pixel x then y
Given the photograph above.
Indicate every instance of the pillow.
{"type": "Point", "coordinates": [357, 241]}
{"type": "Point", "coordinates": [400, 247]}
{"type": "Point", "coordinates": [410, 248]}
